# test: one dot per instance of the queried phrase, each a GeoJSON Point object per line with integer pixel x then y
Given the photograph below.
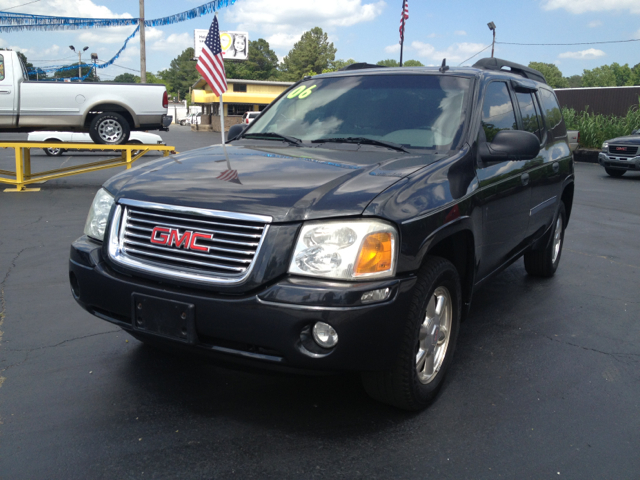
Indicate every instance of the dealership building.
{"type": "Point", "coordinates": [241, 96]}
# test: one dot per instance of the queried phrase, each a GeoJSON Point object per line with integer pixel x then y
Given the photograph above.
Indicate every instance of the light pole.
{"type": "Point", "coordinates": [492, 27]}
{"type": "Point", "coordinates": [94, 58]}
{"type": "Point", "coordinates": [79, 59]}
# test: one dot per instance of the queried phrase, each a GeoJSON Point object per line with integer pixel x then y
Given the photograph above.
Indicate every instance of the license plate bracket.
{"type": "Point", "coordinates": [162, 317]}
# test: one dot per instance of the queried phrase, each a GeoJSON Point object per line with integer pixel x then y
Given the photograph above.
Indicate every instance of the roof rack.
{"type": "Point", "coordinates": [499, 65]}
{"type": "Point", "coordinates": [360, 66]}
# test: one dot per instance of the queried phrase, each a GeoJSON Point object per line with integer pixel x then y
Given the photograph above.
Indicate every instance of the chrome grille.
{"type": "Point", "coordinates": [194, 244]}
{"type": "Point", "coordinates": [628, 150]}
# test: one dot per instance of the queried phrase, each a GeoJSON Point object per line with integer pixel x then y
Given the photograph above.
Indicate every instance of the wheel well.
{"type": "Point", "coordinates": [109, 107]}
{"type": "Point", "coordinates": [567, 199]}
{"type": "Point", "coordinates": [459, 250]}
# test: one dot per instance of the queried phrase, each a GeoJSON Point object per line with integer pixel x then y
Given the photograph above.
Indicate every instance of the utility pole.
{"type": "Point", "coordinates": [143, 53]}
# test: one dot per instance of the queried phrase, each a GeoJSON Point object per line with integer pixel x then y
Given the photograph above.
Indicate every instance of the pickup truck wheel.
{"type": "Point", "coordinates": [51, 151]}
{"type": "Point", "coordinates": [544, 263]}
{"type": "Point", "coordinates": [109, 128]}
{"type": "Point", "coordinates": [615, 172]}
{"type": "Point", "coordinates": [428, 343]}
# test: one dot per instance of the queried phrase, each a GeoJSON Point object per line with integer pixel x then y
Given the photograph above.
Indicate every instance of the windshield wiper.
{"type": "Point", "coordinates": [363, 140]}
{"type": "Point", "coordinates": [273, 135]}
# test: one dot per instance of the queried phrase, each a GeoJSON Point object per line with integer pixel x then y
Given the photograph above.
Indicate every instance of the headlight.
{"type": "Point", "coordinates": [605, 145]}
{"type": "Point", "coordinates": [98, 215]}
{"type": "Point", "coordinates": [346, 250]}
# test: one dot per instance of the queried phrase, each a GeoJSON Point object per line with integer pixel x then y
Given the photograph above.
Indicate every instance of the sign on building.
{"type": "Point", "coordinates": [235, 45]}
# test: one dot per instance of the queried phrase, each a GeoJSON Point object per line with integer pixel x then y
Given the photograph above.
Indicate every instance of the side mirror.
{"type": "Point", "coordinates": [235, 131]}
{"type": "Point", "coordinates": [510, 145]}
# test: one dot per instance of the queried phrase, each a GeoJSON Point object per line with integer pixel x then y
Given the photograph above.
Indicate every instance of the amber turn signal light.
{"type": "Point", "coordinates": [375, 254]}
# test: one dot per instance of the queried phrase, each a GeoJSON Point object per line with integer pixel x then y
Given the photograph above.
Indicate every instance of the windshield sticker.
{"type": "Point", "coordinates": [301, 92]}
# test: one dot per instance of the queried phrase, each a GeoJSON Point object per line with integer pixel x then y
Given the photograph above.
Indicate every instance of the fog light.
{"type": "Point", "coordinates": [325, 335]}
{"type": "Point", "coordinates": [376, 295]}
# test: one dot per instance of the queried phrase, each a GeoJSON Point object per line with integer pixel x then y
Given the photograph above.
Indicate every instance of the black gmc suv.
{"type": "Point", "coordinates": [346, 228]}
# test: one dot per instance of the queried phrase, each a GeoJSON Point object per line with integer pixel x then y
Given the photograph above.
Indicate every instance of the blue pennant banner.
{"type": "Point", "coordinates": [15, 22]}
{"type": "Point", "coordinates": [61, 68]}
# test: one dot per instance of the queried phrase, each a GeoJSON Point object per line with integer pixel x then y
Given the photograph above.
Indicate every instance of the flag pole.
{"type": "Point", "coordinates": [221, 109]}
{"type": "Point", "coordinates": [402, 36]}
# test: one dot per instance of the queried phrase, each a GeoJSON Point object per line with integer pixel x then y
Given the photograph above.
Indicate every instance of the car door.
{"type": "Point", "coordinates": [504, 187]}
{"type": "Point", "coordinates": [554, 158]}
{"type": "Point", "coordinates": [8, 106]}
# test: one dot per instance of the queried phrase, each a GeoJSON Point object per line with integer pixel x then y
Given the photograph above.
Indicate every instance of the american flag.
{"type": "Point", "coordinates": [228, 176]}
{"type": "Point", "coordinates": [210, 63]}
{"type": "Point", "coordinates": [404, 17]}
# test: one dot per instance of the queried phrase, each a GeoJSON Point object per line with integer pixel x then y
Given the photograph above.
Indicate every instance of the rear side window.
{"type": "Point", "coordinates": [497, 111]}
{"type": "Point", "coordinates": [552, 114]}
{"type": "Point", "coordinates": [531, 121]}
{"type": "Point", "coordinates": [1, 67]}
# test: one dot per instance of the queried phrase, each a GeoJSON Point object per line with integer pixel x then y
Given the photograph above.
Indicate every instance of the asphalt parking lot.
{"type": "Point", "coordinates": [545, 383]}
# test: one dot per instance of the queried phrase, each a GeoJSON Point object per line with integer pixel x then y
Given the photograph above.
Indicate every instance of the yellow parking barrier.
{"type": "Point", "coordinates": [24, 176]}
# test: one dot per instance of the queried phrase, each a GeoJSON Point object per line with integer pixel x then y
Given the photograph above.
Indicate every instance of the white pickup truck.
{"type": "Point", "coordinates": [108, 111]}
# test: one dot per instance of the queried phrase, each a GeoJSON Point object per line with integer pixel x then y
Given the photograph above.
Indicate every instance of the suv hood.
{"type": "Point", "coordinates": [629, 140]}
{"type": "Point", "coordinates": [286, 183]}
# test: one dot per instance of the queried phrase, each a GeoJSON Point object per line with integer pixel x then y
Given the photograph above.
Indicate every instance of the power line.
{"type": "Point", "coordinates": [475, 54]}
{"type": "Point", "coordinates": [21, 5]}
{"type": "Point", "coordinates": [565, 44]}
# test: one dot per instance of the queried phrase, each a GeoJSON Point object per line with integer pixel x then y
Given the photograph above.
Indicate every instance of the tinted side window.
{"type": "Point", "coordinates": [1, 67]}
{"type": "Point", "coordinates": [552, 113]}
{"type": "Point", "coordinates": [531, 122]}
{"type": "Point", "coordinates": [497, 111]}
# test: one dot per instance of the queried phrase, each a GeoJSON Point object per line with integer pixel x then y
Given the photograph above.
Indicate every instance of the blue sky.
{"type": "Point", "coordinates": [365, 30]}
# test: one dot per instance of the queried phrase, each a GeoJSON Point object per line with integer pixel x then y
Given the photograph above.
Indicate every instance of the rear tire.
{"type": "Point", "coordinates": [544, 263]}
{"type": "Point", "coordinates": [109, 128]}
{"type": "Point", "coordinates": [428, 343]}
{"type": "Point", "coordinates": [615, 172]}
{"type": "Point", "coordinates": [53, 152]}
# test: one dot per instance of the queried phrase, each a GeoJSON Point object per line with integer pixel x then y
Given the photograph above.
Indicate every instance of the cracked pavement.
{"type": "Point", "coordinates": [546, 377]}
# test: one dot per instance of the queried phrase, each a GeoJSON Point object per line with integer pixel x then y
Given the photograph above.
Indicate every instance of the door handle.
{"type": "Point", "coordinates": [525, 179]}
{"type": "Point", "coordinates": [556, 167]}
{"type": "Point", "coordinates": [5, 91]}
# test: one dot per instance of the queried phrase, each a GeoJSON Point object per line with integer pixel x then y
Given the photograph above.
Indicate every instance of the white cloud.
{"type": "Point", "coordinates": [582, 6]}
{"type": "Point", "coordinates": [454, 53]}
{"type": "Point", "coordinates": [584, 54]}
{"type": "Point", "coordinates": [291, 18]}
{"type": "Point", "coordinates": [594, 24]}
{"type": "Point", "coordinates": [395, 48]}
{"type": "Point", "coordinates": [176, 42]}
{"type": "Point", "coordinates": [65, 8]}
{"type": "Point", "coordinates": [459, 32]}
{"type": "Point", "coordinates": [432, 35]}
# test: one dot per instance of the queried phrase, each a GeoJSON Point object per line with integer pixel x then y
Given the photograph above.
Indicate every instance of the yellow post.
{"type": "Point", "coordinates": [21, 165]}
{"type": "Point", "coordinates": [128, 152]}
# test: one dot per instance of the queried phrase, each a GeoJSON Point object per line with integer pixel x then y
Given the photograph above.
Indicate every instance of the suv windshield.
{"type": "Point", "coordinates": [417, 111]}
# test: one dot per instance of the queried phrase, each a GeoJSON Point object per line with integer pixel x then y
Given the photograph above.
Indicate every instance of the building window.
{"type": "Point", "coordinates": [239, 87]}
{"type": "Point", "coordinates": [238, 108]}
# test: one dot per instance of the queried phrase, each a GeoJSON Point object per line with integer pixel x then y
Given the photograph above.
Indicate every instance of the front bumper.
{"type": "Point", "coordinates": [263, 328]}
{"type": "Point", "coordinates": [625, 163]}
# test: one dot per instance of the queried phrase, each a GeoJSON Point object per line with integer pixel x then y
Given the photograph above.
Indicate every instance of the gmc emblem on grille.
{"type": "Point", "coordinates": [621, 149]}
{"type": "Point", "coordinates": [170, 237]}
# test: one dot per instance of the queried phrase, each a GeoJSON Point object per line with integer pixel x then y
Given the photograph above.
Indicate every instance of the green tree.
{"type": "Point", "coordinates": [311, 55]}
{"type": "Point", "coordinates": [636, 74]}
{"type": "Point", "coordinates": [261, 63]}
{"type": "Point", "coordinates": [180, 75]}
{"type": "Point", "coordinates": [34, 73]}
{"type": "Point", "coordinates": [575, 81]}
{"type": "Point", "coordinates": [73, 73]}
{"type": "Point", "coordinates": [339, 65]}
{"type": "Point", "coordinates": [127, 78]}
{"type": "Point", "coordinates": [603, 76]}
{"type": "Point", "coordinates": [623, 73]}
{"type": "Point", "coordinates": [412, 63]}
{"type": "Point", "coordinates": [389, 62]}
{"type": "Point", "coordinates": [551, 73]}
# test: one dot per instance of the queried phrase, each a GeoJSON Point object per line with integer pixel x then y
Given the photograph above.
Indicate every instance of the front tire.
{"type": "Point", "coordinates": [109, 128]}
{"type": "Point", "coordinates": [615, 172]}
{"type": "Point", "coordinates": [544, 263]}
{"type": "Point", "coordinates": [430, 334]}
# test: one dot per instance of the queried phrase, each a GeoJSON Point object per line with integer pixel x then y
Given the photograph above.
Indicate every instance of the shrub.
{"type": "Point", "coordinates": [595, 129]}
